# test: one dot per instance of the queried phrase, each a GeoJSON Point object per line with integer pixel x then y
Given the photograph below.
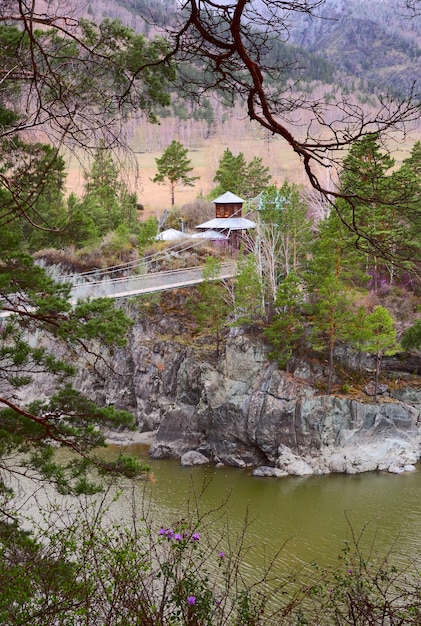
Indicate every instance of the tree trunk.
{"type": "Point", "coordinates": [330, 370]}
{"type": "Point", "coordinates": [377, 375]}
{"type": "Point", "coordinates": [332, 331]}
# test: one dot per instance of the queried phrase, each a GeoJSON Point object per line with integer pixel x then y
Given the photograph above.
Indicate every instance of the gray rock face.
{"type": "Point", "coordinates": [243, 411]}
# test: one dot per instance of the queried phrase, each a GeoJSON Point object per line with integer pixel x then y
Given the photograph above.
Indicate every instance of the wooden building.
{"type": "Point", "coordinates": [229, 218]}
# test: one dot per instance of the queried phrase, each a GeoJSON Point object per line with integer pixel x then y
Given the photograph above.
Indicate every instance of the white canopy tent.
{"type": "Point", "coordinates": [171, 234]}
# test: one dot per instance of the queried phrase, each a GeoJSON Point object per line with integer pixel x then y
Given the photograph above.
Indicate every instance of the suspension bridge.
{"type": "Point", "coordinates": [134, 278]}
{"type": "Point", "coordinates": [137, 284]}
{"type": "Point", "coordinates": [141, 277]}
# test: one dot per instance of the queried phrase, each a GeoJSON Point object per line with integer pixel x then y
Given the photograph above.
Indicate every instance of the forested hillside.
{"type": "Point", "coordinates": [375, 42]}
{"type": "Point", "coordinates": [356, 45]}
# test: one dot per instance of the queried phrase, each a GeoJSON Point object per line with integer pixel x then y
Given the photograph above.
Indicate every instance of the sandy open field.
{"type": "Point", "coordinates": [155, 198]}
{"type": "Point", "coordinates": [205, 154]}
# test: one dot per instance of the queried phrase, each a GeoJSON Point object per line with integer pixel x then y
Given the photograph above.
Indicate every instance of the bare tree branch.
{"type": "Point", "coordinates": [74, 80]}
{"type": "Point", "coordinates": [235, 45]}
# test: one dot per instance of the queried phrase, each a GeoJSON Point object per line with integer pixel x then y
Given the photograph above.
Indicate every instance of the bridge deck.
{"type": "Point", "coordinates": [146, 283]}
{"type": "Point", "coordinates": [127, 286]}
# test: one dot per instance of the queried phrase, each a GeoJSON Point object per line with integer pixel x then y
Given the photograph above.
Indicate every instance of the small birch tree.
{"type": "Point", "coordinates": [210, 309]}
{"type": "Point", "coordinates": [381, 340]}
{"type": "Point", "coordinates": [248, 293]}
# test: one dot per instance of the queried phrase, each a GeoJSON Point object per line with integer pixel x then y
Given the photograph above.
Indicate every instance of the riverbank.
{"type": "Point", "coordinates": [129, 437]}
{"type": "Point", "coordinates": [241, 410]}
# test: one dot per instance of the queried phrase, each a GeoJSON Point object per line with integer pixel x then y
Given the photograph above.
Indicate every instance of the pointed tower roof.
{"type": "Point", "coordinates": [228, 198]}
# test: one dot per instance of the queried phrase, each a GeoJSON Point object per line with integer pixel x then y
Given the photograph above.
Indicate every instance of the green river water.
{"type": "Point", "coordinates": [311, 517]}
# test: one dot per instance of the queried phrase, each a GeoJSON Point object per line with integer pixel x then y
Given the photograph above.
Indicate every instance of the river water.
{"type": "Point", "coordinates": [310, 517]}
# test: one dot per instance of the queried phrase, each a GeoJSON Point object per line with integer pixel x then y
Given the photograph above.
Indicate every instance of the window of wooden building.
{"type": "Point", "coordinates": [228, 210]}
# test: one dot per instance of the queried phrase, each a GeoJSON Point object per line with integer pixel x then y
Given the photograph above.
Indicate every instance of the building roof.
{"type": "Point", "coordinates": [228, 198]}
{"type": "Point", "coordinates": [209, 234]}
{"type": "Point", "coordinates": [228, 223]}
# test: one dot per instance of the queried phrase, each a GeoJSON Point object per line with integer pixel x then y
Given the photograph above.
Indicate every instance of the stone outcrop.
{"type": "Point", "coordinates": [193, 458]}
{"type": "Point", "coordinates": [242, 411]}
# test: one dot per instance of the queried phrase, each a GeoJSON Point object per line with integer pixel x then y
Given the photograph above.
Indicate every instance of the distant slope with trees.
{"type": "Point", "coordinates": [357, 46]}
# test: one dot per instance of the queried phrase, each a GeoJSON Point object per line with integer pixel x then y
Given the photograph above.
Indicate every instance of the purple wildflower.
{"type": "Point", "coordinates": [162, 531]}
{"type": "Point", "coordinates": [191, 600]}
{"type": "Point", "coordinates": [195, 536]}
{"type": "Point", "coordinates": [222, 554]}
{"type": "Point", "coordinates": [178, 536]}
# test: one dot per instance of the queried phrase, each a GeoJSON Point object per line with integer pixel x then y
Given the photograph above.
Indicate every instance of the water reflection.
{"type": "Point", "coordinates": [310, 517]}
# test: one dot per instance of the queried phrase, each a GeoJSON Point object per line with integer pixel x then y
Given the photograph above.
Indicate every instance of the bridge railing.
{"type": "Point", "coordinates": [146, 283]}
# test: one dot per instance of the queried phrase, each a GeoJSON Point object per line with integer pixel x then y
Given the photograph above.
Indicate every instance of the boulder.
{"type": "Point", "coordinates": [268, 472]}
{"type": "Point", "coordinates": [370, 389]}
{"type": "Point", "coordinates": [291, 463]}
{"type": "Point", "coordinates": [193, 458]}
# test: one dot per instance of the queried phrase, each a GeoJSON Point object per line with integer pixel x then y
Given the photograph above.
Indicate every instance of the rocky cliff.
{"type": "Point", "coordinates": [241, 410]}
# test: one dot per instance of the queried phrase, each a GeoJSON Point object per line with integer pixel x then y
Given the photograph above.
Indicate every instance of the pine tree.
{"type": "Point", "coordinates": [230, 174]}
{"type": "Point", "coordinates": [407, 185]}
{"type": "Point", "coordinates": [333, 252]}
{"type": "Point", "coordinates": [107, 201]}
{"type": "Point", "coordinates": [72, 80]}
{"type": "Point", "coordinates": [31, 303]}
{"type": "Point", "coordinates": [357, 332]}
{"type": "Point", "coordinates": [31, 190]}
{"type": "Point", "coordinates": [331, 314]}
{"type": "Point", "coordinates": [411, 338]}
{"type": "Point", "coordinates": [80, 227]}
{"type": "Point", "coordinates": [256, 178]}
{"type": "Point", "coordinates": [174, 168]}
{"type": "Point", "coordinates": [328, 275]}
{"type": "Point", "coordinates": [234, 174]}
{"type": "Point", "coordinates": [384, 207]}
{"type": "Point", "coordinates": [413, 162]}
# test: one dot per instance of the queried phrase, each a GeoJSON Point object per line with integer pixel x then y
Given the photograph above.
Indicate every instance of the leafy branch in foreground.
{"type": "Point", "coordinates": [81, 79]}
{"type": "Point", "coordinates": [78, 83]}
{"type": "Point", "coordinates": [366, 588]}
{"type": "Point", "coordinates": [236, 46]}
{"type": "Point", "coordinates": [68, 419]}
{"type": "Point", "coordinates": [141, 573]}
{"type": "Point", "coordinates": [72, 338]}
